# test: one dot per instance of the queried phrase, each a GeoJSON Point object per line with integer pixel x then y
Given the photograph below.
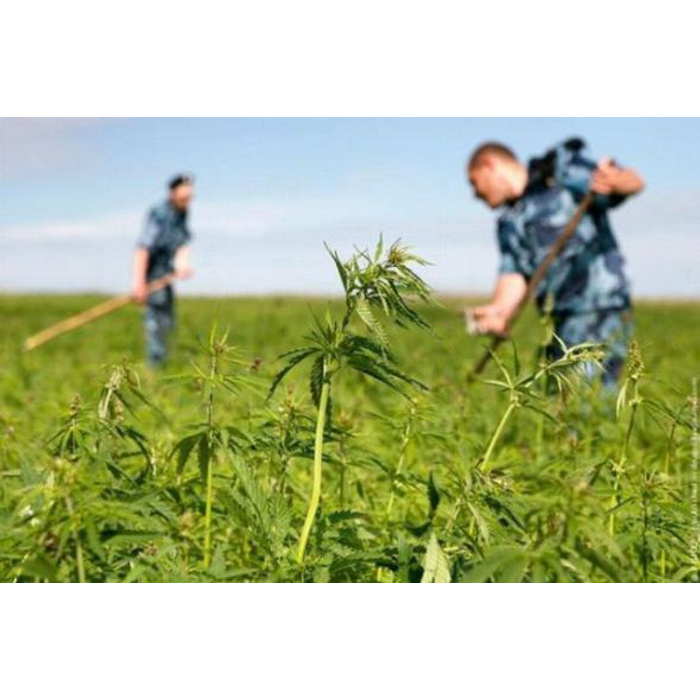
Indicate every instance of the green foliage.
{"type": "Point", "coordinates": [435, 566]}
{"type": "Point", "coordinates": [380, 280]}
{"type": "Point", "coordinates": [110, 473]}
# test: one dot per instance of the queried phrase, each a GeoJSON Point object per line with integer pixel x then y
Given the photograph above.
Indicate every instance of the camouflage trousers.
{"type": "Point", "coordinates": [610, 327]}
{"type": "Point", "coordinates": [159, 320]}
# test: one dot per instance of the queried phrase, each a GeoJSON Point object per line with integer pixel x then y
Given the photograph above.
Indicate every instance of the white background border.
{"type": "Point", "coordinates": [352, 641]}
{"type": "Point", "coordinates": [348, 59]}
{"type": "Point", "coordinates": [312, 58]}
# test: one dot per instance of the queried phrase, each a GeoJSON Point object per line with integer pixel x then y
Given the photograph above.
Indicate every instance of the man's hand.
{"type": "Point", "coordinates": [491, 319]}
{"type": "Point", "coordinates": [609, 178]}
{"type": "Point", "coordinates": [140, 293]}
{"type": "Point", "coordinates": [508, 296]}
{"type": "Point", "coordinates": [183, 273]}
{"type": "Point", "coordinates": [183, 269]}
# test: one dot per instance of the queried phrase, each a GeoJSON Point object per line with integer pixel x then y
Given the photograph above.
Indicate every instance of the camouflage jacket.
{"type": "Point", "coordinates": [165, 231]}
{"type": "Point", "coordinates": [590, 274]}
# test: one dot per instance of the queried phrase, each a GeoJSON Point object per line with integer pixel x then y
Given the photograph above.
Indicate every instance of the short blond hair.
{"type": "Point", "coordinates": [489, 150]}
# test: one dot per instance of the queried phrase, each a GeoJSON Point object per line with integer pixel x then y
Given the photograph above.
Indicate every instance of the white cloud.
{"type": "Point", "coordinates": [254, 218]}
{"type": "Point", "coordinates": [274, 216]}
{"type": "Point", "coordinates": [276, 245]}
{"type": "Point", "coordinates": [72, 232]}
{"type": "Point", "coordinates": [660, 235]}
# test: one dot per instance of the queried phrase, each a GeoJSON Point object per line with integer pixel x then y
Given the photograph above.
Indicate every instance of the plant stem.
{"type": "Point", "coordinates": [497, 433]}
{"type": "Point", "coordinates": [209, 497]}
{"type": "Point", "coordinates": [207, 514]}
{"type": "Point", "coordinates": [482, 464]}
{"type": "Point", "coordinates": [667, 463]}
{"type": "Point", "coordinates": [402, 458]}
{"type": "Point", "coordinates": [78, 547]}
{"type": "Point", "coordinates": [318, 468]}
{"type": "Point", "coordinates": [621, 464]}
{"type": "Point", "coordinates": [669, 449]}
{"type": "Point", "coordinates": [343, 465]}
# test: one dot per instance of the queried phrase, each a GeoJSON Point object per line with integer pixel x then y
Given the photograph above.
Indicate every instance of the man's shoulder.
{"type": "Point", "coordinates": [573, 152]}
{"type": "Point", "coordinates": [567, 148]}
{"type": "Point", "coordinates": [505, 215]}
{"type": "Point", "coordinates": [551, 167]}
{"type": "Point", "coordinates": [510, 218]}
{"type": "Point", "coordinates": [160, 210]}
{"type": "Point", "coordinates": [518, 210]}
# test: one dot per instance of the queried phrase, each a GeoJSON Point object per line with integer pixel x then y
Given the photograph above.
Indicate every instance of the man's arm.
{"type": "Point", "coordinates": [610, 179]}
{"type": "Point", "coordinates": [183, 268]}
{"type": "Point", "coordinates": [496, 316]}
{"type": "Point", "coordinates": [141, 257]}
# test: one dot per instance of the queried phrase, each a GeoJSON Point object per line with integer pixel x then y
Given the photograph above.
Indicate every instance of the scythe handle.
{"type": "Point", "coordinates": [92, 314]}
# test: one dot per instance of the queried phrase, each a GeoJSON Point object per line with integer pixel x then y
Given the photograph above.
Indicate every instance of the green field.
{"type": "Point", "coordinates": [93, 488]}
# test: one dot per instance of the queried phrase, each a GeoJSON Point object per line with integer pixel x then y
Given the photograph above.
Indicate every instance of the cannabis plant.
{"type": "Point", "coordinates": [377, 283]}
{"type": "Point", "coordinates": [223, 373]}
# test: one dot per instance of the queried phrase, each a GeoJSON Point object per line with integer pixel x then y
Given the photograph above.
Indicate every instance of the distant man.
{"type": "Point", "coordinates": [163, 249]}
{"type": "Point", "coordinates": [588, 284]}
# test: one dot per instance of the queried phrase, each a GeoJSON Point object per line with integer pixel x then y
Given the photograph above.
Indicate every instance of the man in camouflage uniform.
{"type": "Point", "coordinates": [163, 249]}
{"type": "Point", "coordinates": [588, 284]}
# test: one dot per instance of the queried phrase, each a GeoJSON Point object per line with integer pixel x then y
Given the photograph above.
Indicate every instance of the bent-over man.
{"type": "Point", "coordinates": [588, 283]}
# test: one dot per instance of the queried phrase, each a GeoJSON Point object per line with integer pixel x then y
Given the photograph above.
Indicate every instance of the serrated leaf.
{"type": "Point", "coordinates": [497, 559]}
{"type": "Point", "coordinates": [340, 267]}
{"type": "Point", "coordinates": [436, 568]}
{"type": "Point", "coordinates": [516, 360]}
{"type": "Point", "coordinates": [621, 400]}
{"type": "Point", "coordinates": [184, 448]}
{"type": "Point", "coordinates": [295, 357]}
{"type": "Point", "coordinates": [316, 377]}
{"type": "Point", "coordinates": [367, 317]}
{"type": "Point", "coordinates": [433, 496]}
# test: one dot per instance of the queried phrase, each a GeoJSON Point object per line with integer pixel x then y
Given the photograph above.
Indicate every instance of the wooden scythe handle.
{"type": "Point", "coordinates": [106, 307]}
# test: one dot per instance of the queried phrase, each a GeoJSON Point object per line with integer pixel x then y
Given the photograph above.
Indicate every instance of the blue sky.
{"type": "Point", "coordinates": [271, 191]}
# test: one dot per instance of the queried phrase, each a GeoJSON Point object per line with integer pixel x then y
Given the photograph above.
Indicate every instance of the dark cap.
{"type": "Point", "coordinates": [181, 179]}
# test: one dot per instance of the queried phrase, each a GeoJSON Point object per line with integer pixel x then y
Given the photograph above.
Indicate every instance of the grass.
{"type": "Point", "coordinates": [111, 473]}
